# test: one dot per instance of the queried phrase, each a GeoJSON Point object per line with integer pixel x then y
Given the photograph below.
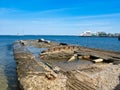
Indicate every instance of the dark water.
{"type": "Point", "coordinates": [8, 77]}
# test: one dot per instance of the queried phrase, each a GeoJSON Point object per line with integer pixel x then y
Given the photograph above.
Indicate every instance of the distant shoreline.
{"type": "Point", "coordinates": [59, 35]}
{"type": "Point", "coordinates": [101, 36]}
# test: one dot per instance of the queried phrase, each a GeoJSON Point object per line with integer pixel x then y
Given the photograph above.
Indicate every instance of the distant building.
{"type": "Point", "coordinates": [99, 34]}
{"type": "Point", "coordinates": [102, 34]}
{"type": "Point", "coordinates": [87, 33]}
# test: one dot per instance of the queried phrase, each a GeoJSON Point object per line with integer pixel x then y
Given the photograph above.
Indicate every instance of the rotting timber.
{"type": "Point", "coordinates": [49, 74]}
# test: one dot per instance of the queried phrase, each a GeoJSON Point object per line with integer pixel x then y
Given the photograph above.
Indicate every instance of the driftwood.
{"type": "Point", "coordinates": [73, 57]}
{"type": "Point", "coordinates": [97, 60]}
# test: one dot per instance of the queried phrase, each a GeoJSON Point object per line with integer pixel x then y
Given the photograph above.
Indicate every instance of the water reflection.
{"type": "Point", "coordinates": [8, 76]}
{"type": "Point", "coordinates": [3, 79]}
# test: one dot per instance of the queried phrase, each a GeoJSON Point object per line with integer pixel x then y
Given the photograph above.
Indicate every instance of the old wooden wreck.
{"type": "Point", "coordinates": [59, 66]}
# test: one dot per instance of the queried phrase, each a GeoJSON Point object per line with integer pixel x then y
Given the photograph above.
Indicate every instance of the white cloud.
{"type": "Point", "coordinates": [7, 10]}
{"type": "Point", "coordinates": [33, 23]}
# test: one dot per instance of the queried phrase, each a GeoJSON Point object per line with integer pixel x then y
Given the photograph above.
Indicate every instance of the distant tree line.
{"type": "Point", "coordinates": [104, 34]}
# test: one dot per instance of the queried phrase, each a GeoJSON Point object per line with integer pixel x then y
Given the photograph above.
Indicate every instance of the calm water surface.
{"type": "Point", "coordinates": [8, 77]}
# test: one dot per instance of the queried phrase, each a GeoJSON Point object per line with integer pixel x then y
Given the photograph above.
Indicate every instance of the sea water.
{"type": "Point", "coordinates": [8, 76]}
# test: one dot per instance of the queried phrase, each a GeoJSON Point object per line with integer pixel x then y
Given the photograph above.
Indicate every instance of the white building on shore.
{"type": "Point", "coordinates": [100, 34]}
{"type": "Point", "coordinates": [87, 33]}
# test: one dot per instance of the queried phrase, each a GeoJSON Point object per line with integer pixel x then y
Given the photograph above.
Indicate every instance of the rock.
{"type": "Point", "coordinates": [50, 77]}
{"type": "Point", "coordinates": [63, 44]}
{"type": "Point", "coordinates": [46, 41]}
{"type": "Point", "coordinates": [41, 40]}
{"type": "Point", "coordinates": [43, 51]}
{"type": "Point", "coordinates": [56, 69]}
{"type": "Point", "coordinates": [23, 42]}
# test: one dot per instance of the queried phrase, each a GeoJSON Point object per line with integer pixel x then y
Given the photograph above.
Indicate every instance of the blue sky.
{"type": "Point", "coordinates": [58, 17]}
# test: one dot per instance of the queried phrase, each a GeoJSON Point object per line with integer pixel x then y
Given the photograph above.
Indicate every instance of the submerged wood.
{"type": "Point", "coordinates": [42, 75]}
{"type": "Point", "coordinates": [73, 57]}
{"type": "Point", "coordinates": [97, 60]}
